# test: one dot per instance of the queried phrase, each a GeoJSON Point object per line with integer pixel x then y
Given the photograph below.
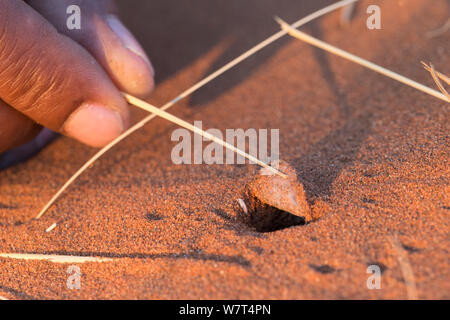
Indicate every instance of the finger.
{"type": "Point", "coordinates": [54, 81]}
{"type": "Point", "coordinates": [106, 38]}
{"type": "Point", "coordinates": [15, 128]}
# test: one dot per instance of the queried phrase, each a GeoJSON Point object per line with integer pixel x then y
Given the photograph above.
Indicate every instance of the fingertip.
{"type": "Point", "coordinates": [128, 40]}
{"type": "Point", "coordinates": [129, 64]}
{"type": "Point", "coordinates": [94, 125]}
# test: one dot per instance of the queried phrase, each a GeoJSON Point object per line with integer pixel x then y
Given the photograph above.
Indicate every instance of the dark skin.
{"type": "Point", "coordinates": [66, 80]}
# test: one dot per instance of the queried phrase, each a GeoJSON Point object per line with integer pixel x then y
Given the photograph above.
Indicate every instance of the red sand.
{"type": "Point", "coordinates": [372, 153]}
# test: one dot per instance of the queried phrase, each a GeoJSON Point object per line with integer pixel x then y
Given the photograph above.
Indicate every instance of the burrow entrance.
{"type": "Point", "coordinates": [266, 218]}
{"type": "Point", "coordinates": [270, 202]}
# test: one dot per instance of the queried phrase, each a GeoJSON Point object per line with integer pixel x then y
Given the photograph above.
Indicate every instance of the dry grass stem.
{"type": "Point", "coordinates": [195, 87]}
{"type": "Point", "coordinates": [53, 258]}
{"type": "Point", "coordinates": [53, 226]}
{"type": "Point", "coordinates": [440, 75]}
{"type": "Point", "coordinates": [163, 114]}
{"type": "Point", "coordinates": [405, 265]}
{"type": "Point", "coordinates": [436, 75]}
{"type": "Point", "coordinates": [242, 205]}
{"type": "Point", "coordinates": [327, 47]}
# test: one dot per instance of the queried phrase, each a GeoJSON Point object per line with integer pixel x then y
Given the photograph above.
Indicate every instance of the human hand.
{"type": "Point", "coordinates": [67, 80]}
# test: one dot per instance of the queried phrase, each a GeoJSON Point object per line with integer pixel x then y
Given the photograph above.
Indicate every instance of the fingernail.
{"type": "Point", "coordinates": [127, 39]}
{"type": "Point", "coordinates": [94, 125]}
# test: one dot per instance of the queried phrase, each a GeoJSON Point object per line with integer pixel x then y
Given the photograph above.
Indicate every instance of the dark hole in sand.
{"type": "Point", "coordinates": [324, 268]}
{"type": "Point", "coordinates": [258, 250]}
{"type": "Point", "coordinates": [368, 200]}
{"type": "Point", "coordinates": [411, 249]}
{"type": "Point", "coordinates": [271, 203]}
{"type": "Point", "coordinates": [153, 216]}
{"type": "Point", "coordinates": [266, 218]}
{"type": "Point", "coordinates": [4, 206]}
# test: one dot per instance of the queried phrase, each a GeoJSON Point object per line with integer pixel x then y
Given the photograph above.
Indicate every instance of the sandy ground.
{"type": "Point", "coordinates": [372, 153]}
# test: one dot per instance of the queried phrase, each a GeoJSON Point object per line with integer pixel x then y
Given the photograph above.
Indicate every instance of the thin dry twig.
{"type": "Point", "coordinates": [436, 75]}
{"type": "Point", "coordinates": [53, 226]}
{"type": "Point", "coordinates": [186, 93]}
{"type": "Point", "coordinates": [440, 75]}
{"type": "Point", "coordinates": [54, 258]}
{"type": "Point", "coordinates": [344, 54]}
{"type": "Point", "coordinates": [405, 265]}
{"type": "Point", "coordinates": [163, 114]}
{"type": "Point", "coordinates": [438, 82]}
{"type": "Point", "coordinates": [242, 205]}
